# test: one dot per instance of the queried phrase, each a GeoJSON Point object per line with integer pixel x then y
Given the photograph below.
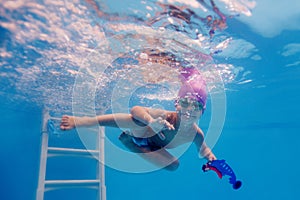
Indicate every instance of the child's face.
{"type": "Point", "coordinates": [189, 109]}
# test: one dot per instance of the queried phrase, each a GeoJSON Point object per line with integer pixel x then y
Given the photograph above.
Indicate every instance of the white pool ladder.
{"type": "Point", "coordinates": [46, 151]}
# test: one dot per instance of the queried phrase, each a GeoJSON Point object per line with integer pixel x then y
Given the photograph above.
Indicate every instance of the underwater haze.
{"type": "Point", "coordinates": [87, 57]}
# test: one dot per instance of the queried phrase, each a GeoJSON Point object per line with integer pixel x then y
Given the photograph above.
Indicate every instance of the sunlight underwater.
{"type": "Point", "coordinates": [59, 42]}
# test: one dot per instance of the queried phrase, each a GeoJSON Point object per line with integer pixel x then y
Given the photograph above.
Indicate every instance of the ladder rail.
{"type": "Point", "coordinates": [43, 158]}
{"type": "Point", "coordinates": [101, 163]}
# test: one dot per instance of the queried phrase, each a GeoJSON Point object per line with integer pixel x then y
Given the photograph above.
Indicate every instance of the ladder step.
{"type": "Point", "coordinates": [52, 151]}
{"type": "Point", "coordinates": [71, 183]}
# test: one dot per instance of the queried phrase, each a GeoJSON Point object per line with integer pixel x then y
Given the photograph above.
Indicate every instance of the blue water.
{"type": "Point", "coordinates": [47, 48]}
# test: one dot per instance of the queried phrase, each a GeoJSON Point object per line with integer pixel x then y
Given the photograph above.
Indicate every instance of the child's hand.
{"type": "Point", "coordinates": [207, 153]}
{"type": "Point", "coordinates": [160, 124]}
{"type": "Point", "coordinates": [67, 122]}
{"type": "Point", "coordinates": [211, 157]}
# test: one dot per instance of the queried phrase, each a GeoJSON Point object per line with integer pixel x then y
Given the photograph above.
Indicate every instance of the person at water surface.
{"type": "Point", "coordinates": [151, 132]}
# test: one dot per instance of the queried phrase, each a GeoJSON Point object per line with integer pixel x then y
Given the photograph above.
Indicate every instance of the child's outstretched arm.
{"type": "Point", "coordinates": [120, 120]}
{"type": "Point", "coordinates": [203, 149]}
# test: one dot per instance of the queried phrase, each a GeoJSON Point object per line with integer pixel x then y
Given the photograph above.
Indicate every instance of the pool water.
{"type": "Point", "coordinates": [84, 57]}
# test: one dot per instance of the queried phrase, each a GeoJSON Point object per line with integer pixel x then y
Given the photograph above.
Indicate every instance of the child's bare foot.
{"type": "Point", "coordinates": [67, 122]}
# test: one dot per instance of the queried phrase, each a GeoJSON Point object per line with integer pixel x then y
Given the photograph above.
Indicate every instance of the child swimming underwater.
{"type": "Point", "coordinates": [153, 131]}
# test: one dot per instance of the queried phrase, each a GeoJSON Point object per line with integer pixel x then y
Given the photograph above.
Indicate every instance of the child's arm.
{"type": "Point", "coordinates": [203, 149]}
{"type": "Point", "coordinates": [120, 120]}
{"type": "Point", "coordinates": [154, 118]}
